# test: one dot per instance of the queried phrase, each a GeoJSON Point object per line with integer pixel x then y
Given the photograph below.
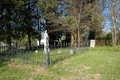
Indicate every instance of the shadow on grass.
{"type": "Point", "coordinates": [57, 60]}
{"type": "Point", "coordinates": [3, 63]}
{"type": "Point", "coordinates": [53, 62]}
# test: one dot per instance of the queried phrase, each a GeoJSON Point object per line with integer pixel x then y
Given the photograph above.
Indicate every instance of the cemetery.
{"type": "Point", "coordinates": [40, 54]}
{"type": "Point", "coordinates": [59, 39]}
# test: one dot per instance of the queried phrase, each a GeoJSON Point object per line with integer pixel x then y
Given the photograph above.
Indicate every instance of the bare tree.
{"type": "Point", "coordinates": [80, 16]}
{"type": "Point", "coordinates": [86, 15]}
{"type": "Point", "coordinates": [114, 17]}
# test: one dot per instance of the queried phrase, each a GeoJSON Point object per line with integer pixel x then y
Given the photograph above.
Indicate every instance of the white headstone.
{"type": "Point", "coordinates": [71, 52]}
{"type": "Point", "coordinates": [37, 42]}
{"type": "Point", "coordinates": [46, 42]}
{"type": "Point", "coordinates": [36, 51]}
{"type": "Point", "coordinates": [92, 43]}
{"type": "Point", "coordinates": [59, 51]}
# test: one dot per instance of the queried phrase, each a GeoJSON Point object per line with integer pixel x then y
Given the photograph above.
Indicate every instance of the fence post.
{"type": "Point", "coordinates": [47, 58]}
{"type": "Point", "coordinates": [87, 45]}
{"type": "Point", "coordinates": [46, 47]}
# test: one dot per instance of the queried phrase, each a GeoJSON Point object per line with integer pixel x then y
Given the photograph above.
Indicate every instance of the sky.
{"type": "Point", "coordinates": [106, 14]}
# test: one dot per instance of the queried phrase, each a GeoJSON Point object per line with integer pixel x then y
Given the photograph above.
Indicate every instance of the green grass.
{"type": "Point", "coordinates": [93, 65]}
{"type": "Point", "coordinates": [103, 65]}
{"type": "Point", "coordinates": [54, 55]}
{"type": "Point", "coordinates": [105, 48]}
{"type": "Point", "coordinates": [3, 49]}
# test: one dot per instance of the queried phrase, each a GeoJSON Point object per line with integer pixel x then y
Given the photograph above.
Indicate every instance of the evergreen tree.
{"type": "Point", "coordinates": [29, 19]}
{"type": "Point", "coordinates": [16, 19]}
{"type": "Point", "coordinates": [6, 19]}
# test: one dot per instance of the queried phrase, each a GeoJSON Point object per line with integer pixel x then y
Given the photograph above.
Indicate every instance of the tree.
{"type": "Point", "coordinates": [114, 18]}
{"type": "Point", "coordinates": [17, 19]}
{"type": "Point", "coordinates": [84, 15]}
{"type": "Point", "coordinates": [7, 9]}
{"type": "Point", "coordinates": [29, 19]}
{"type": "Point", "coordinates": [50, 12]}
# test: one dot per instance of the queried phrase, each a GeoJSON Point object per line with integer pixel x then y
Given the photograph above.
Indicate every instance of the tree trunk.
{"type": "Point", "coordinates": [78, 23]}
{"type": "Point", "coordinates": [113, 35]}
{"type": "Point", "coordinates": [78, 26]}
{"type": "Point", "coordinates": [39, 28]}
{"type": "Point", "coordinates": [9, 35]}
{"type": "Point", "coordinates": [72, 40]}
{"type": "Point", "coordinates": [29, 40]}
{"type": "Point", "coordinates": [112, 22]}
{"type": "Point", "coordinates": [78, 34]}
{"type": "Point", "coordinates": [8, 25]}
{"type": "Point", "coordinates": [29, 25]}
{"type": "Point", "coordinates": [9, 41]}
{"type": "Point", "coordinates": [115, 23]}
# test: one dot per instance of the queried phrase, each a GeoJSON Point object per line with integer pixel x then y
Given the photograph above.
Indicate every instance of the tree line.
{"type": "Point", "coordinates": [24, 17]}
{"type": "Point", "coordinates": [76, 18]}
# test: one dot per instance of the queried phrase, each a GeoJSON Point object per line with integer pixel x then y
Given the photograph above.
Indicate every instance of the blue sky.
{"type": "Point", "coordinates": [106, 14]}
{"type": "Point", "coordinates": [107, 22]}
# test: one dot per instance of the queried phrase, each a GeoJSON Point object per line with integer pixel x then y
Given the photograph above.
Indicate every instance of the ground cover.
{"type": "Point", "coordinates": [93, 65]}
{"type": "Point", "coordinates": [38, 56]}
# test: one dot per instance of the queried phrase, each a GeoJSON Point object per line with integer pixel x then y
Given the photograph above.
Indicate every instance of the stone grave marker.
{"type": "Point", "coordinates": [92, 43]}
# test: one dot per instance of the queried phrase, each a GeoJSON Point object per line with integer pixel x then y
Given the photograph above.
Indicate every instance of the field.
{"type": "Point", "coordinates": [100, 63]}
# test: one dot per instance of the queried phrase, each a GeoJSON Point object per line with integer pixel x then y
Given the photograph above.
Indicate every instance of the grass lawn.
{"type": "Point", "coordinates": [39, 57]}
{"type": "Point", "coordinates": [97, 64]}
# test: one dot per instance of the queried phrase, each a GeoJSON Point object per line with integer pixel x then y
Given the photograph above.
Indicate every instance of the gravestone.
{"type": "Point", "coordinates": [36, 51]}
{"type": "Point", "coordinates": [46, 42]}
{"type": "Point", "coordinates": [92, 43]}
{"type": "Point", "coordinates": [59, 51]}
{"type": "Point", "coordinates": [71, 52]}
{"type": "Point", "coordinates": [46, 48]}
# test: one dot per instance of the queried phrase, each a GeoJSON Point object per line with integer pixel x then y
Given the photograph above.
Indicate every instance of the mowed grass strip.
{"type": "Point", "coordinates": [96, 65]}
{"type": "Point", "coordinates": [93, 65]}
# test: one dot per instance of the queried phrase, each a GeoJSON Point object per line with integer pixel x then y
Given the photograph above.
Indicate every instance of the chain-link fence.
{"type": "Point", "coordinates": [64, 51]}
{"type": "Point", "coordinates": [22, 54]}
{"type": "Point", "coordinates": [37, 54]}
